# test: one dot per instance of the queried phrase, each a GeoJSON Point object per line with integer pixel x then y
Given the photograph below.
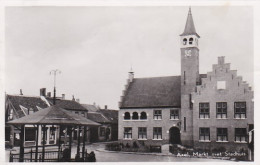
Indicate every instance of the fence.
{"type": "Point", "coordinates": [50, 156]}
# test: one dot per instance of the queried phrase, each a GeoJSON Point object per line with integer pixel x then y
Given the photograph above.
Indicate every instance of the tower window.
{"type": "Point", "coordinates": [184, 77]}
{"type": "Point", "coordinates": [184, 41]}
{"type": "Point", "coordinates": [190, 41]}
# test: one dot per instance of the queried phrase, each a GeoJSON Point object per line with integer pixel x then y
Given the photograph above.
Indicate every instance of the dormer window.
{"type": "Point", "coordinates": [184, 41]}
{"type": "Point", "coordinates": [190, 41]}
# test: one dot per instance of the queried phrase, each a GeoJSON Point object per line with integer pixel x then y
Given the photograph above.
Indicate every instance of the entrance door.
{"type": "Point", "coordinates": [93, 134]}
{"type": "Point", "coordinates": [174, 134]}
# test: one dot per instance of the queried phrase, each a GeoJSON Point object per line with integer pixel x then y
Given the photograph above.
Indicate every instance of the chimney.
{"type": "Point", "coordinates": [77, 100]}
{"type": "Point", "coordinates": [49, 94]}
{"type": "Point", "coordinates": [105, 106]}
{"type": "Point", "coordinates": [73, 99]}
{"type": "Point", "coordinates": [21, 92]}
{"type": "Point", "coordinates": [43, 92]}
{"type": "Point", "coordinates": [221, 60]}
{"type": "Point", "coordinates": [63, 96]}
{"type": "Point", "coordinates": [131, 76]}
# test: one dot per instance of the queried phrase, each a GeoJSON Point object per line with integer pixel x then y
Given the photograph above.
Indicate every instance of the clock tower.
{"type": "Point", "coordinates": [189, 77]}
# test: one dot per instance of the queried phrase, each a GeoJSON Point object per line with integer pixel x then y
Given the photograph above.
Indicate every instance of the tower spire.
{"type": "Point", "coordinates": [189, 27]}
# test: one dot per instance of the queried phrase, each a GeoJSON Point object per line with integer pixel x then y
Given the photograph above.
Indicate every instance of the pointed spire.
{"type": "Point", "coordinates": [189, 27]}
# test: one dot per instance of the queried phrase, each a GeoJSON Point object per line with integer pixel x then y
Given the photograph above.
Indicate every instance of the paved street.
{"type": "Point", "coordinates": [105, 156]}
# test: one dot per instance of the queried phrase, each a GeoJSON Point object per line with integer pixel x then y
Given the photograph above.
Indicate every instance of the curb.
{"type": "Point", "coordinates": [156, 154]}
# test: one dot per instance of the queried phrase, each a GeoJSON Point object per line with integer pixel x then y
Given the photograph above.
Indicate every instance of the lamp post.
{"type": "Point", "coordinates": [54, 72]}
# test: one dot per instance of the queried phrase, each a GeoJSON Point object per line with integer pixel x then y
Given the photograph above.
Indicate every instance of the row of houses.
{"type": "Point", "coordinates": [18, 106]}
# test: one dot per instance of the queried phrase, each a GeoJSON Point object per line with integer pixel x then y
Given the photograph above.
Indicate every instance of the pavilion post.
{"type": "Point", "coordinates": [59, 143]}
{"type": "Point", "coordinates": [78, 147]}
{"type": "Point", "coordinates": [43, 143]}
{"type": "Point", "coordinates": [36, 145]}
{"type": "Point", "coordinates": [21, 155]}
{"type": "Point", "coordinates": [84, 140]}
{"type": "Point", "coordinates": [70, 140]}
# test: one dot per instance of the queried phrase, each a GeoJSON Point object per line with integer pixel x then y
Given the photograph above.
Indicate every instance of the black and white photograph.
{"type": "Point", "coordinates": [128, 83]}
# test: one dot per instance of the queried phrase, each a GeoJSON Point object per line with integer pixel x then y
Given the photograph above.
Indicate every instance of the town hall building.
{"type": "Point", "coordinates": [206, 111]}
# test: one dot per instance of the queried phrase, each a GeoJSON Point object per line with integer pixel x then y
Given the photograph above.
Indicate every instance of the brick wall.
{"type": "Point", "coordinates": [165, 123]}
{"type": "Point", "coordinates": [236, 90]}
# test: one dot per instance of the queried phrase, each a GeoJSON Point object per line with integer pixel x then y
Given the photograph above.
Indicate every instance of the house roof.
{"type": "Point", "coordinates": [111, 115]}
{"type": "Point", "coordinates": [153, 92]}
{"type": "Point", "coordinates": [189, 27]}
{"type": "Point", "coordinates": [98, 117]}
{"type": "Point", "coordinates": [53, 115]}
{"type": "Point", "coordinates": [29, 102]}
{"type": "Point", "coordinates": [90, 107]}
{"type": "Point", "coordinates": [68, 104]}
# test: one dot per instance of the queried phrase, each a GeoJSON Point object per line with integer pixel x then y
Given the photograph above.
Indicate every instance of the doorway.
{"type": "Point", "coordinates": [174, 135]}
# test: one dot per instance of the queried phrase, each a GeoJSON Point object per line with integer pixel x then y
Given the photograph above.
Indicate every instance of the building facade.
{"type": "Point", "coordinates": [203, 111]}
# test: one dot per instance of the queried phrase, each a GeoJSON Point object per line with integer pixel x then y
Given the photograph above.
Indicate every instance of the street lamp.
{"type": "Point", "coordinates": [54, 72]}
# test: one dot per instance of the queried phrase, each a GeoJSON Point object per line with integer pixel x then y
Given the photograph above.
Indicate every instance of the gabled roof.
{"type": "Point", "coordinates": [90, 107]}
{"type": "Point", "coordinates": [54, 115]}
{"type": "Point", "coordinates": [153, 92]}
{"type": "Point", "coordinates": [111, 115]}
{"type": "Point", "coordinates": [98, 117]}
{"type": "Point", "coordinates": [189, 27]}
{"type": "Point", "coordinates": [68, 104]}
{"type": "Point", "coordinates": [29, 102]}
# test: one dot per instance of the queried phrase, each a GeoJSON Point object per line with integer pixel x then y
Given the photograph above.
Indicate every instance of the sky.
{"type": "Point", "coordinates": [95, 47]}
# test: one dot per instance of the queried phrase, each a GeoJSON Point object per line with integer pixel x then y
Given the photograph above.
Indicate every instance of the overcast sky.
{"type": "Point", "coordinates": [95, 47]}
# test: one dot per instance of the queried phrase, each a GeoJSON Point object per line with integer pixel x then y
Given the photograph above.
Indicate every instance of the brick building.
{"type": "Point", "coordinates": [205, 111]}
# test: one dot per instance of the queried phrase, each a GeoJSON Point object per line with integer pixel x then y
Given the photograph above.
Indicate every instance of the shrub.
{"type": "Point", "coordinates": [113, 147]}
{"type": "Point", "coordinates": [135, 145]}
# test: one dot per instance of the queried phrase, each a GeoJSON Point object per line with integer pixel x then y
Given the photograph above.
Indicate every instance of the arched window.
{"type": "Point", "coordinates": [135, 116]}
{"type": "Point", "coordinates": [184, 41]}
{"type": "Point", "coordinates": [127, 116]}
{"type": "Point", "coordinates": [143, 116]}
{"type": "Point", "coordinates": [190, 41]}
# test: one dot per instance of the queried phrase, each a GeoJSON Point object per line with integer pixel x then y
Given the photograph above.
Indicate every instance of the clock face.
{"type": "Point", "coordinates": [187, 53]}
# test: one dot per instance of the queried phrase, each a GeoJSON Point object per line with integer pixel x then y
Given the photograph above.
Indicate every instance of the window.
{"type": "Point", "coordinates": [204, 134]}
{"type": "Point", "coordinates": [190, 41]}
{"type": "Point", "coordinates": [240, 134]}
{"type": "Point", "coordinates": [30, 111]}
{"type": "Point", "coordinates": [135, 116]}
{"type": "Point", "coordinates": [83, 114]}
{"type": "Point", "coordinates": [77, 113]}
{"type": "Point", "coordinates": [143, 116]}
{"type": "Point", "coordinates": [221, 85]}
{"type": "Point", "coordinates": [142, 134]}
{"type": "Point", "coordinates": [30, 134]}
{"type": "Point", "coordinates": [174, 114]}
{"type": "Point", "coordinates": [157, 114]}
{"type": "Point", "coordinates": [184, 41]}
{"type": "Point", "coordinates": [10, 114]}
{"type": "Point", "coordinates": [157, 132]}
{"type": "Point", "coordinates": [127, 116]}
{"type": "Point", "coordinates": [204, 110]}
{"type": "Point", "coordinates": [128, 133]}
{"type": "Point", "coordinates": [222, 134]}
{"type": "Point", "coordinates": [102, 131]}
{"type": "Point", "coordinates": [221, 110]}
{"type": "Point", "coordinates": [240, 110]}
{"type": "Point", "coordinates": [184, 125]}
{"type": "Point", "coordinates": [52, 135]}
